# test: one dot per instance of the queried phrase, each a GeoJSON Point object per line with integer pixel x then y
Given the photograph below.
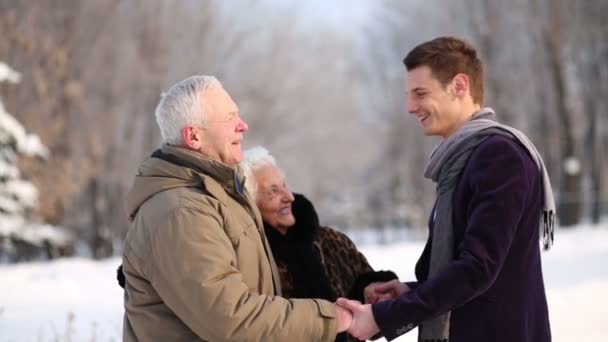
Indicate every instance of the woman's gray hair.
{"type": "Point", "coordinates": [253, 159]}
{"type": "Point", "coordinates": [182, 105]}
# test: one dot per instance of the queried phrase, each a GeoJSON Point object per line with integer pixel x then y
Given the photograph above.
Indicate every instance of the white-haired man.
{"type": "Point", "coordinates": [196, 262]}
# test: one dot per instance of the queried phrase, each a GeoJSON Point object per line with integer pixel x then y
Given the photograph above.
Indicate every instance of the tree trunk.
{"type": "Point", "coordinates": [101, 239]}
{"type": "Point", "coordinates": [569, 195]}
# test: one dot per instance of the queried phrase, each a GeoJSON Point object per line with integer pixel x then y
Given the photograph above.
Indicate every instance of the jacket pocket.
{"type": "Point", "coordinates": [239, 234]}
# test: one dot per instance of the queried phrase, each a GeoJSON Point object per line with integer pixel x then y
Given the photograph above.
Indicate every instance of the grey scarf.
{"type": "Point", "coordinates": [444, 168]}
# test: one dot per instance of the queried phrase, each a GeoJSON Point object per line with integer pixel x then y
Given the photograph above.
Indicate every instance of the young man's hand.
{"type": "Point", "coordinates": [363, 325]}
{"type": "Point", "coordinates": [345, 318]}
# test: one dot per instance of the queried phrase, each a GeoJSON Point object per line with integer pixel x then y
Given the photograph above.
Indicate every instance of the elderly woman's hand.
{"type": "Point", "coordinates": [378, 291]}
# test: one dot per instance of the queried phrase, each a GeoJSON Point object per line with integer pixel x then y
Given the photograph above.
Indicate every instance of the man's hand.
{"type": "Point", "coordinates": [379, 292]}
{"type": "Point", "coordinates": [345, 318]}
{"type": "Point", "coordinates": [363, 325]}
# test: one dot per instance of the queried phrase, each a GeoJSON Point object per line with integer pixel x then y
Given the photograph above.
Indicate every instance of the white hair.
{"type": "Point", "coordinates": [253, 159]}
{"type": "Point", "coordinates": [182, 105]}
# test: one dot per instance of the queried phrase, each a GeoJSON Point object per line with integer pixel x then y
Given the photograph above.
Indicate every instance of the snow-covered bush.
{"type": "Point", "coordinates": [22, 235]}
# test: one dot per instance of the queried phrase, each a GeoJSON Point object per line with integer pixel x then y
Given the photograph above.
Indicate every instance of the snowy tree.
{"type": "Point", "coordinates": [21, 235]}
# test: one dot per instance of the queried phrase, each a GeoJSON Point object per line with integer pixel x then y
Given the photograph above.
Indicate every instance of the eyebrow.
{"type": "Point", "coordinates": [417, 89]}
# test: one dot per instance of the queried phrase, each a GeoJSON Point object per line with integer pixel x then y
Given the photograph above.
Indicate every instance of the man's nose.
{"type": "Point", "coordinates": [242, 126]}
{"type": "Point", "coordinates": [412, 107]}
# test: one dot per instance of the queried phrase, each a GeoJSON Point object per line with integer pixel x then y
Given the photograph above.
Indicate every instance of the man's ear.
{"type": "Point", "coordinates": [192, 137]}
{"type": "Point", "coordinates": [460, 85]}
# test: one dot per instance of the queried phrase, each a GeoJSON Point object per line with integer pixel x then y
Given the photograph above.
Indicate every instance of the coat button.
{"type": "Point", "coordinates": [404, 329]}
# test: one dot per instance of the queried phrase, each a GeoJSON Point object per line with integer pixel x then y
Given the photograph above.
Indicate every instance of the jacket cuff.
{"type": "Point", "coordinates": [412, 284]}
{"type": "Point", "coordinates": [329, 317]}
{"type": "Point", "coordinates": [364, 279]}
{"type": "Point", "coordinates": [389, 319]}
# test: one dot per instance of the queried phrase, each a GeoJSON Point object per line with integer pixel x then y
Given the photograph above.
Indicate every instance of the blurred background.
{"type": "Point", "coordinates": [321, 85]}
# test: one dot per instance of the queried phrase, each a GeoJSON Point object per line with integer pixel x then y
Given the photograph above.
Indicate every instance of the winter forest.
{"type": "Point", "coordinates": [321, 86]}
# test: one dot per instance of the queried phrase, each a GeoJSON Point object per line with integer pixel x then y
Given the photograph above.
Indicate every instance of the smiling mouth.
{"type": "Point", "coordinates": [423, 118]}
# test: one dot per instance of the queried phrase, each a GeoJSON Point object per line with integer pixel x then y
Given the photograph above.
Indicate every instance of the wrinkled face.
{"type": "Point", "coordinates": [274, 198]}
{"type": "Point", "coordinates": [224, 132]}
{"type": "Point", "coordinates": [433, 104]}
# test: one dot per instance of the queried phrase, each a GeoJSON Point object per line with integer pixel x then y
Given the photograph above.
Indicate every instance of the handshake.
{"type": "Point", "coordinates": [357, 318]}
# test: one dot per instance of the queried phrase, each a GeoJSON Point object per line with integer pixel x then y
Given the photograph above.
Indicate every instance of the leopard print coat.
{"type": "Point", "coordinates": [340, 259]}
{"type": "Point", "coordinates": [320, 262]}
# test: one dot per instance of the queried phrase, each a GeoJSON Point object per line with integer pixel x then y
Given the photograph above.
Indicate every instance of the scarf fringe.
{"type": "Point", "coordinates": [548, 229]}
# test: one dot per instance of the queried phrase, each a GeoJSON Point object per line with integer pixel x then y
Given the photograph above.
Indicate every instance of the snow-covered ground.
{"type": "Point", "coordinates": [79, 300]}
{"type": "Point", "coordinates": [576, 278]}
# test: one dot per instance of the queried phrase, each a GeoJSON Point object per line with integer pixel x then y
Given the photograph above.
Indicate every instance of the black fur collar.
{"type": "Point", "coordinates": [297, 251]}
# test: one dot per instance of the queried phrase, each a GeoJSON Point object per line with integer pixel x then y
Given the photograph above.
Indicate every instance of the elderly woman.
{"type": "Point", "coordinates": [314, 261]}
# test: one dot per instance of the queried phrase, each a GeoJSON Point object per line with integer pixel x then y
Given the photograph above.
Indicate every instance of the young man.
{"type": "Point", "coordinates": [196, 261]}
{"type": "Point", "coordinates": [479, 276]}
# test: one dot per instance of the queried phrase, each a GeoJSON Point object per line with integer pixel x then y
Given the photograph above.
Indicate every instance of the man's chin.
{"type": "Point", "coordinates": [429, 131]}
{"type": "Point", "coordinates": [234, 159]}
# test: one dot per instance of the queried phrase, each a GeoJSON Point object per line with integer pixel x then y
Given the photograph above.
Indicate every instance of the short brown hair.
{"type": "Point", "coordinates": [447, 57]}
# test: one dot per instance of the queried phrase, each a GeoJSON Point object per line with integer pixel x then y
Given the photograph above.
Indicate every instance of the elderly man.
{"type": "Point", "coordinates": [479, 276]}
{"type": "Point", "coordinates": [197, 264]}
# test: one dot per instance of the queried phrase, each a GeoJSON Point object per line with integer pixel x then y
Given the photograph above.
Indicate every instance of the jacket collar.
{"type": "Point", "coordinates": [231, 179]}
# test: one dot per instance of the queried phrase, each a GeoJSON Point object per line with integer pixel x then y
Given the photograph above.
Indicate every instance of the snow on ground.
{"type": "Point", "coordinates": [79, 299]}
{"type": "Point", "coordinates": [575, 273]}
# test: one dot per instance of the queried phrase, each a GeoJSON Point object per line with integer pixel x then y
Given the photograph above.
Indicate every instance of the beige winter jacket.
{"type": "Point", "coordinates": [197, 263]}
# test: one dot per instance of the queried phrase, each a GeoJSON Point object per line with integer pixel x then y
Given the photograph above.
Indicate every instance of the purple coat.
{"type": "Point", "coordinates": [494, 286]}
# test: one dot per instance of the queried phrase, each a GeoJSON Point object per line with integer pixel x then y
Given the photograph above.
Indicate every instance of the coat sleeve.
{"type": "Point", "coordinates": [354, 256]}
{"type": "Point", "coordinates": [193, 269]}
{"type": "Point", "coordinates": [363, 273]}
{"type": "Point", "coordinates": [499, 186]}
